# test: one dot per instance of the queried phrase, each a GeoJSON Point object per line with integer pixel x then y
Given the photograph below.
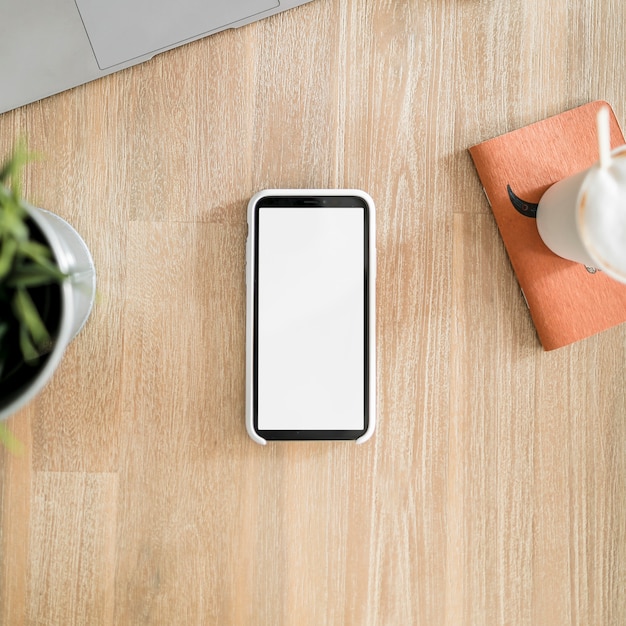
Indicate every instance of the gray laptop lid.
{"type": "Point", "coordinates": [47, 46]}
{"type": "Point", "coordinates": [121, 30]}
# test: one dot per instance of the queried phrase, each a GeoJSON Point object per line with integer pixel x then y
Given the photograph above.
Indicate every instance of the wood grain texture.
{"type": "Point", "coordinates": [493, 490]}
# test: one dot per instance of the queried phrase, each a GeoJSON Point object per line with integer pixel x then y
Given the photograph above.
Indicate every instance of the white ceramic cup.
{"type": "Point", "coordinates": [583, 217]}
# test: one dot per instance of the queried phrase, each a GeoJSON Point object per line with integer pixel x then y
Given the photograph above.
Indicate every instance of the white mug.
{"type": "Point", "coordinates": [583, 217]}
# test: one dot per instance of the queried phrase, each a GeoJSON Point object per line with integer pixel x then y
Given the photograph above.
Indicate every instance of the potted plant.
{"type": "Point", "coordinates": [47, 289]}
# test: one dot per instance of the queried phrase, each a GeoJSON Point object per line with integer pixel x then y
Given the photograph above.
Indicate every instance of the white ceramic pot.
{"type": "Point", "coordinates": [77, 297]}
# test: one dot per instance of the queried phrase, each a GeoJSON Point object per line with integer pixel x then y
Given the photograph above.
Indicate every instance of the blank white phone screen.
{"type": "Point", "coordinates": [311, 318]}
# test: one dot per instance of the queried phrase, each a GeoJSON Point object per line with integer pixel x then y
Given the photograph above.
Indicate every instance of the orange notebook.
{"type": "Point", "coordinates": [567, 301]}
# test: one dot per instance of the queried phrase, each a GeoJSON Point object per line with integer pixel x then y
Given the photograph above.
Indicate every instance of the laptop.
{"type": "Point", "coordinates": [48, 46]}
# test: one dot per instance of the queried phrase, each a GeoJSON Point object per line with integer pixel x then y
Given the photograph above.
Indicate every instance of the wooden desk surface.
{"type": "Point", "coordinates": [494, 489]}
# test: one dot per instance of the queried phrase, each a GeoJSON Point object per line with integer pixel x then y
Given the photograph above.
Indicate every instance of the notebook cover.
{"type": "Point", "coordinates": [566, 301]}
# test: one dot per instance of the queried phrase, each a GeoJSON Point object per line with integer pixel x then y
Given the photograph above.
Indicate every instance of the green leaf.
{"type": "Point", "coordinates": [35, 274]}
{"type": "Point", "coordinates": [34, 337]}
{"type": "Point", "coordinates": [36, 251]}
{"type": "Point", "coordinates": [7, 256]}
{"type": "Point", "coordinates": [13, 166]}
{"type": "Point", "coordinates": [32, 276]}
{"type": "Point", "coordinates": [29, 352]}
{"type": "Point", "coordinates": [10, 441]}
{"type": "Point", "coordinates": [12, 218]}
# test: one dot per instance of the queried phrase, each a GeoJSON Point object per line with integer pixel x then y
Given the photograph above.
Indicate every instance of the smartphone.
{"type": "Point", "coordinates": [310, 327]}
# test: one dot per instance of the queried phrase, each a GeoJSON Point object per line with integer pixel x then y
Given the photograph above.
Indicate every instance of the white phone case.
{"type": "Point", "coordinates": [250, 272]}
